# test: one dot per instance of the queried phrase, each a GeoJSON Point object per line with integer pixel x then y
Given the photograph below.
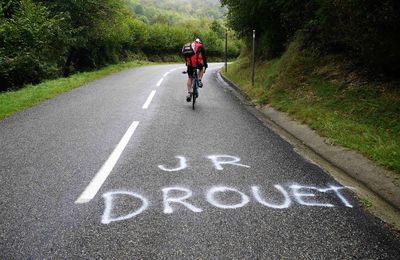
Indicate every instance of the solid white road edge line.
{"type": "Point", "coordinates": [148, 101]}
{"type": "Point", "coordinates": [98, 180]}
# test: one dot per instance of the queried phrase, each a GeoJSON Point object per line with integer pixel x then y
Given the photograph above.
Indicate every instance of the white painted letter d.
{"type": "Point", "coordinates": [108, 200]}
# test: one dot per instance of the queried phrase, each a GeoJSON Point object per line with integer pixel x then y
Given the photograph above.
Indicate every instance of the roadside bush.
{"type": "Point", "coordinates": [32, 45]}
{"type": "Point", "coordinates": [159, 40]}
{"type": "Point", "coordinates": [100, 30]}
{"type": "Point", "coordinates": [139, 35]}
{"type": "Point", "coordinates": [367, 31]}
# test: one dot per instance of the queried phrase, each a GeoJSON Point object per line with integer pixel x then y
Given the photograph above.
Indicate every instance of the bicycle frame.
{"type": "Point", "coordinates": [195, 86]}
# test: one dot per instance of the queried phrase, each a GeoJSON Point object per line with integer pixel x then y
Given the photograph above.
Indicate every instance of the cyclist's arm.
{"type": "Point", "coordinates": [203, 51]}
{"type": "Point", "coordinates": [186, 63]}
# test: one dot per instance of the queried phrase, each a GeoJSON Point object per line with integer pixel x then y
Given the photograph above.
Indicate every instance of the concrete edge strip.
{"type": "Point", "coordinates": [376, 178]}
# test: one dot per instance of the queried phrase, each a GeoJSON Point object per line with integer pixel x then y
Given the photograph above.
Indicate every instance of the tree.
{"type": "Point", "coordinates": [98, 28]}
{"type": "Point", "coordinates": [33, 43]}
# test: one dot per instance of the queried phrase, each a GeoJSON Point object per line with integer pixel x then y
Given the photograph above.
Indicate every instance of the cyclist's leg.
{"type": "Point", "coordinates": [189, 83]}
{"type": "Point", "coordinates": [200, 74]}
{"type": "Point", "coordinates": [190, 77]}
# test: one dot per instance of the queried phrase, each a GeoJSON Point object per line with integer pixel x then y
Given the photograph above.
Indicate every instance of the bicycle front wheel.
{"type": "Point", "coordinates": [193, 99]}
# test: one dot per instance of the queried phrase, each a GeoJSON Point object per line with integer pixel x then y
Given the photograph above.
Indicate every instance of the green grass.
{"type": "Point", "coordinates": [14, 101]}
{"type": "Point", "coordinates": [366, 202]}
{"type": "Point", "coordinates": [345, 108]}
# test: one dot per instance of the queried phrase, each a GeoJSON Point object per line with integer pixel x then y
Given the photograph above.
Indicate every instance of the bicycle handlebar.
{"type": "Point", "coordinates": [185, 72]}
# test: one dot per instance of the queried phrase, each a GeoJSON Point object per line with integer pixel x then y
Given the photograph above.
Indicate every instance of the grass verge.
{"type": "Point", "coordinates": [325, 94]}
{"type": "Point", "coordinates": [13, 101]}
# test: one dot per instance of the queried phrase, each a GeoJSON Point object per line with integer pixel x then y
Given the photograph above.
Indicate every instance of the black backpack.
{"type": "Point", "coordinates": [187, 50]}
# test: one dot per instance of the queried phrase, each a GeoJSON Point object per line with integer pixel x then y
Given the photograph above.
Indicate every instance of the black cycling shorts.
{"type": "Point", "coordinates": [190, 69]}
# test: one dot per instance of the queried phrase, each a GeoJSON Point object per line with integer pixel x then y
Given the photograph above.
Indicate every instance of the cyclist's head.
{"type": "Point", "coordinates": [197, 39]}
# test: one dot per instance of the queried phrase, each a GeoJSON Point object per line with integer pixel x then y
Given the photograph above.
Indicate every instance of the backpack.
{"type": "Point", "coordinates": [187, 50]}
{"type": "Point", "coordinates": [193, 58]}
{"type": "Point", "coordinates": [196, 59]}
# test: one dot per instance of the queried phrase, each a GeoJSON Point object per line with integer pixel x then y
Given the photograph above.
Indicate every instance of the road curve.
{"type": "Point", "coordinates": [124, 168]}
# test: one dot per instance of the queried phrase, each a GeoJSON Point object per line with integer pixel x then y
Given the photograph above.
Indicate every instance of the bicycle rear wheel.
{"type": "Point", "coordinates": [195, 89]}
{"type": "Point", "coordinates": [193, 99]}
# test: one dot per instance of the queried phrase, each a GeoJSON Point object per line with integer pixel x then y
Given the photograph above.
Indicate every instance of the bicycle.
{"type": "Point", "coordinates": [195, 87]}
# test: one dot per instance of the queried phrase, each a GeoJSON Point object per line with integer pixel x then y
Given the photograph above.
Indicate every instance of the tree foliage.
{"type": "Point", "coordinates": [45, 39]}
{"type": "Point", "coordinates": [33, 43]}
{"type": "Point", "coordinates": [365, 30]}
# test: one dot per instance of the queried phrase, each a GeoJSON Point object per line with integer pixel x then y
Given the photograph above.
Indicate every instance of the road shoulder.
{"type": "Point", "coordinates": [374, 183]}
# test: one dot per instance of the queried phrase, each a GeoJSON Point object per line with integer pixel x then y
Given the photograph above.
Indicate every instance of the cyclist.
{"type": "Point", "coordinates": [196, 61]}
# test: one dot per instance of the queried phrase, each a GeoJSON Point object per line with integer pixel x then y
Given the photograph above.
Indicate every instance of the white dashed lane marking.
{"type": "Point", "coordinates": [149, 99]}
{"type": "Point", "coordinates": [91, 190]}
{"type": "Point", "coordinates": [101, 176]}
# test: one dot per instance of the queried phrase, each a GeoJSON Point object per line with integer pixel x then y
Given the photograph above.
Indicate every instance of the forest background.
{"type": "Point", "coordinates": [42, 40]}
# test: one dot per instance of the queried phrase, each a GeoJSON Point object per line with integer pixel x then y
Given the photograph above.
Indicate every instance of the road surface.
{"type": "Point", "coordinates": [123, 168]}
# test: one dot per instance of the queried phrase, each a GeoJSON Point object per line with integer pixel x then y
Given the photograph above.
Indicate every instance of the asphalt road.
{"type": "Point", "coordinates": [171, 182]}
